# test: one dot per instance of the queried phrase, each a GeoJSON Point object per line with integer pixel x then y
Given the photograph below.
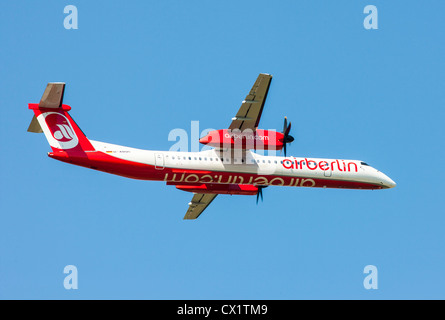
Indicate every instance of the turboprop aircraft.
{"type": "Point", "coordinates": [231, 167]}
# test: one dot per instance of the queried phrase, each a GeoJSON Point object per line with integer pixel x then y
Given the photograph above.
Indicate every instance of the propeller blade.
{"type": "Point", "coordinates": [286, 133]}
{"type": "Point", "coordinates": [285, 125]}
{"type": "Point", "coordinates": [287, 137]}
{"type": "Point", "coordinates": [260, 193]}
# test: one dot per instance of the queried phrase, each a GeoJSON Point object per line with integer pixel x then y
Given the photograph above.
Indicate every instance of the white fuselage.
{"type": "Point", "coordinates": [250, 163]}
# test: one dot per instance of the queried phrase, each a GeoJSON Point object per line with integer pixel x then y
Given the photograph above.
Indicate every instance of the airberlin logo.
{"type": "Point", "coordinates": [323, 165]}
{"type": "Point", "coordinates": [246, 136]}
{"type": "Point", "coordinates": [60, 134]}
{"type": "Point", "coordinates": [64, 133]}
{"type": "Point", "coordinates": [239, 179]}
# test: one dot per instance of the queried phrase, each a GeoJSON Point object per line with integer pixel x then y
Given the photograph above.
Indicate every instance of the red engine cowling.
{"type": "Point", "coordinates": [242, 189]}
{"type": "Point", "coordinates": [247, 139]}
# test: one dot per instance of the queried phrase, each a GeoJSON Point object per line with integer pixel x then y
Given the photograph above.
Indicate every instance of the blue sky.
{"type": "Point", "coordinates": [137, 69]}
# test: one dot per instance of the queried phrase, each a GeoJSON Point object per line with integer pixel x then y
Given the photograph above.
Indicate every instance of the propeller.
{"type": "Point", "coordinates": [260, 193]}
{"type": "Point", "coordinates": [287, 137]}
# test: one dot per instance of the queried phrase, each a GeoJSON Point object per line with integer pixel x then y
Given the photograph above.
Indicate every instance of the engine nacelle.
{"type": "Point", "coordinates": [247, 139]}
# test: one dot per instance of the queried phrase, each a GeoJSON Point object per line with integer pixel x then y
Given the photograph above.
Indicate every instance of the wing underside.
{"type": "Point", "coordinates": [249, 114]}
{"type": "Point", "coordinates": [199, 203]}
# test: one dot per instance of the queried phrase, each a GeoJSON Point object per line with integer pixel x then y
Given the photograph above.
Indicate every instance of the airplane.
{"type": "Point", "coordinates": [230, 166]}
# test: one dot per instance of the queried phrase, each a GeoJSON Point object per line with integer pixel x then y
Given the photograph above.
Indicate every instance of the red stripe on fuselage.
{"type": "Point", "coordinates": [98, 160]}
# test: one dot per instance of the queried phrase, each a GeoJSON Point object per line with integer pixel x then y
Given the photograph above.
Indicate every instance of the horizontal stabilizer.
{"type": "Point", "coordinates": [34, 126]}
{"type": "Point", "coordinates": [53, 95]}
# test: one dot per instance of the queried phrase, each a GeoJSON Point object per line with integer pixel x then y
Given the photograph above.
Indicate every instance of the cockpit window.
{"type": "Point", "coordinates": [364, 164]}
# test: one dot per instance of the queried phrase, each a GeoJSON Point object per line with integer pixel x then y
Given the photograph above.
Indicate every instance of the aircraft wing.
{"type": "Point", "coordinates": [249, 114]}
{"type": "Point", "coordinates": [199, 203]}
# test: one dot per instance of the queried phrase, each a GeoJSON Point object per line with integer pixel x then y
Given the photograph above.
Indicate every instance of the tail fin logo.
{"type": "Point", "coordinates": [64, 133]}
{"type": "Point", "coordinates": [59, 131]}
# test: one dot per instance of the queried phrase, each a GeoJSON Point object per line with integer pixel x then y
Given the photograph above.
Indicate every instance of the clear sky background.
{"type": "Point", "coordinates": [135, 70]}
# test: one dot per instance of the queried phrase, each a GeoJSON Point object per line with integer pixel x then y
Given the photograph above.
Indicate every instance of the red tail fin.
{"type": "Point", "coordinates": [52, 118]}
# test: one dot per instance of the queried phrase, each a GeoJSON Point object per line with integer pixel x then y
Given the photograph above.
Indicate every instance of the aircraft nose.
{"type": "Point", "coordinates": [388, 182]}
